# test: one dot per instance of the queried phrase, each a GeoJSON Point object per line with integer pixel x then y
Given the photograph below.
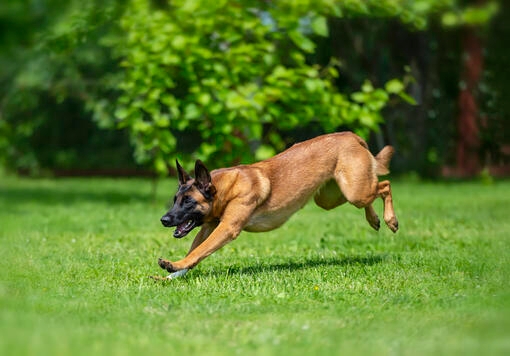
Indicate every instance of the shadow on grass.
{"type": "Point", "coordinates": [297, 265]}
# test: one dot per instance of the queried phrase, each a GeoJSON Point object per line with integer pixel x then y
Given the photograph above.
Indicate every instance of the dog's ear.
{"type": "Point", "coordinates": [183, 176]}
{"type": "Point", "coordinates": [203, 180]}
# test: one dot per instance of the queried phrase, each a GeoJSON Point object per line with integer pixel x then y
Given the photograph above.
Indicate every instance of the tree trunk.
{"type": "Point", "coordinates": [468, 140]}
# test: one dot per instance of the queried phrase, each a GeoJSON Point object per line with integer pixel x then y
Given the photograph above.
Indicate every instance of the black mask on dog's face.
{"type": "Point", "coordinates": [193, 201]}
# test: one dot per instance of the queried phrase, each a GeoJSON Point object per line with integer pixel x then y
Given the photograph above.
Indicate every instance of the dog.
{"type": "Point", "coordinates": [334, 168]}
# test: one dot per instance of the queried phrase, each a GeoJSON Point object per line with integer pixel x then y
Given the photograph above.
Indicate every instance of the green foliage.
{"type": "Point", "coordinates": [471, 15]}
{"type": "Point", "coordinates": [53, 67]}
{"type": "Point", "coordinates": [223, 81]}
{"type": "Point", "coordinates": [74, 277]}
{"type": "Point", "coordinates": [237, 75]}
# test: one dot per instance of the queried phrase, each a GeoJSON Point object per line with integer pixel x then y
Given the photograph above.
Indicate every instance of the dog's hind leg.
{"type": "Point", "coordinates": [358, 186]}
{"type": "Point", "coordinates": [358, 183]}
{"type": "Point", "coordinates": [329, 196]}
{"type": "Point", "coordinates": [372, 217]}
{"type": "Point", "coordinates": [384, 191]}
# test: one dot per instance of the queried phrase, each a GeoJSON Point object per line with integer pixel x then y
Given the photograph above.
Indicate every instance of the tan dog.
{"type": "Point", "coordinates": [334, 168]}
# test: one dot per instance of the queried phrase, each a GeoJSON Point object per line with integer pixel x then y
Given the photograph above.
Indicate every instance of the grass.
{"type": "Point", "coordinates": [76, 254]}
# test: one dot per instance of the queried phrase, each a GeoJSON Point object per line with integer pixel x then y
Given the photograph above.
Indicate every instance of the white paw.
{"type": "Point", "coordinates": [177, 274]}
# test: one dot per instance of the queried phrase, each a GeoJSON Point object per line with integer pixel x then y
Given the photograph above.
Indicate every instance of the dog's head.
{"type": "Point", "coordinates": [192, 202]}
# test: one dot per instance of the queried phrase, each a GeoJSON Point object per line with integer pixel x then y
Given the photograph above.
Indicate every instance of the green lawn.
{"type": "Point", "coordinates": [76, 255]}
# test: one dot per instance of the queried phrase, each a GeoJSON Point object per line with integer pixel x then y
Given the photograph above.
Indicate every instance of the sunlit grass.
{"type": "Point", "coordinates": [77, 253]}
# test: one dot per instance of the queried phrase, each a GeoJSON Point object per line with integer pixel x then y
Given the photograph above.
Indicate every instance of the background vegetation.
{"type": "Point", "coordinates": [234, 81]}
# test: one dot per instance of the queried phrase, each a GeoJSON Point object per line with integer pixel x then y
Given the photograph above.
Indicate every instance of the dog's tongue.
{"type": "Point", "coordinates": [183, 228]}
{"type": "Point", "coordinates": [179, 230]}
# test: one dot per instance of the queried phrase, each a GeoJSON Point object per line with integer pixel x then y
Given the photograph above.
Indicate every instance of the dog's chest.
{"type": "Point", "coordinates": [265, 222]}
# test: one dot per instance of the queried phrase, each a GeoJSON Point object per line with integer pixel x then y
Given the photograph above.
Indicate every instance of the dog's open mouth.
{"type": "Point", "coordinates": [183, 229]}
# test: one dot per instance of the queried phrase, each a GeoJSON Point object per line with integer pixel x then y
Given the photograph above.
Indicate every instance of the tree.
{"type": "Point", "coordinates": [467, 147]}
{"type": "Point", "coordinates": [52, 66]}
{"type": "Point", "coordinates": [236, 74]}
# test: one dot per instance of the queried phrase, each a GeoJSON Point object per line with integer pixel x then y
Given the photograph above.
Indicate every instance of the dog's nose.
{"type": "Point", "coordinates": [165, 220]}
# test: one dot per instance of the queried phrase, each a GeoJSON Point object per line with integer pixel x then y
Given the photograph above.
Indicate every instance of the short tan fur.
{"type": "Point", "coordinates": [334, 169]}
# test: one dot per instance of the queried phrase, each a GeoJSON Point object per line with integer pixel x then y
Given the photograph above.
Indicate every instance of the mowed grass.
{"type": "Point", "coordinates": [76, 255]}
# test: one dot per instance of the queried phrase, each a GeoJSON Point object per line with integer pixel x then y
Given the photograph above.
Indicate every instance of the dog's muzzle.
{"type": "Point", "coordinates": [182, 229]}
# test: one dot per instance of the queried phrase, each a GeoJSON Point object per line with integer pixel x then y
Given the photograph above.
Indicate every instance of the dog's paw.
{"type": "Point", "coordinates": [166, 265]}
{"type": "Point", "coordinates": [375, 223]}
{"type": "Point", "coordinates": [392, 224]}
{"type": "Point", "coordinates": [372, 218]}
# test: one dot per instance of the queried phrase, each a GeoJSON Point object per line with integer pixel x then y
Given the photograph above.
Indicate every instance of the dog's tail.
{"type": "Point", "coordinates": [382, 160]}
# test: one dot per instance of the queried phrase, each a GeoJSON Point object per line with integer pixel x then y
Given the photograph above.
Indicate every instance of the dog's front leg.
{"type": "Point", "coordinates": [227, 230]}
{"type": "Point", "coordinates": [221, 236]}
{"type": "Point", "coordinates": [204, 233]}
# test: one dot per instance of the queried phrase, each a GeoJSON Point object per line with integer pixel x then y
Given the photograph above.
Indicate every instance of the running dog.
{"type": "Point", "coordinates": [334, 168]}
